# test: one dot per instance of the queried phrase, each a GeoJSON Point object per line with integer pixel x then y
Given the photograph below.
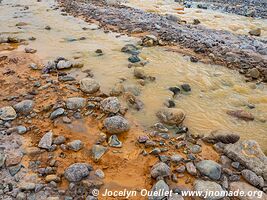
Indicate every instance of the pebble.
{"type": "Point", "coordinates": [210, 186]}
{"type": "Point", "coordinates": [159, 191]}
{"type": "Point", "coordinates": [110, 105]}
{"type": "Point", "coordinates": [171, 116]}
{"type": "Point", "coordinates": [75, 145]}
{"type": "Point", "coordinates": [76, 172]}
{"type": "Point", "coordinates": [186, 87]}
{"type": "Point", "coordinates": [252, 178]}
{"type": "Point", "coordinates": [191, 169]}
{"type": "Point", "coordinates": [116, 124]}
{"type": "Point", "coordinates": [30, 50]}
{"type": "Point", "coordinates": [64, 64]}
{"type": "Point", "coordinates": [113, 141]}
{"type": "Point", "coordinates": [24, 107]}
{"type": "Point", "coordinates": [89, 85]}
{"type": "Point", "coordinates": [98, 151]}
{"type": "Point", "coordinates": [58, 112]}
{"type": "Point", "coordinates": [209, 168]}
{"type": "Point", "coordinates": [59, 140]}
{"type": "Point", "coordinates": [7, 113]}
{"type": "Point", "coordinates": [160, 170]}
{"type": "Point", "coordinates": [99, 173]}
{"type": "Point", "coordinates": [46, 141]}
{"type": "Point", "coordinates": [75, 103]}
{"type": "Point", "coordinates": [134, 59]}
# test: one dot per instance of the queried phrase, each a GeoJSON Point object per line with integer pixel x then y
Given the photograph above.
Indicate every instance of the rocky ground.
{"type": "Point", "coordinates": [62, 138]}
{"type": "Point", "coordinates": [244, 53]}
{"type": "Point", "coordinates": [249, 8]}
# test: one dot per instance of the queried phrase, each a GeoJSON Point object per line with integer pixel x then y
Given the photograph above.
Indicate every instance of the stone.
{"type": "Point", "coordinates": [196, 21]}
{"type": "Point", "coordinates": [116, 124]}
{"type": "Point", "coordinates": [75, 103]}
{"type": "Point", "coordinates": [171, 116]}
{"type": "Point", "coordinates": [180, 169]}
{"type": "Point", "coordinates": [110, 105]}
{"type": "Point", "coordinates": [209, 168]}
{"type": "Point", "coordinates": [13, 158]}
{"type": "Point", "coordinates": [175, 196]}
{"type": "Point", "coordinates": [241, 114]}
{"type": "Point", "coordinates": [26, 186]}
{"type": "Point", "coordinates": [191, 169]}
{"type": "Point", "coordinates": [160, 191]}
{"type": "Point", "coordinates": [114, 141]}
{"type": "Point", "coordinates": [21, 130]}
{"type": "Point", "coordinates": [64, 64]}
{"type": "Point", "coordinates": [2, 159]}
{"type": "Point", "coordinates": [211, 187]}
{"type": "Point", "coordinates": [52, 177]}
{"type": "Point", "coordinates": [130, 49]}
{"type": "Point", "coordinates": [176, 159]}
{"type": "Point", "coordinates": [160, 170]}
{"type": "Point", "coordinates": [89, 85]}
{"type": "Point", "coordinates": [186, 87]}
{"type": "Point", "coordinates": [175, 90]}
{"type": "Point", "coordinates": [117, 90]}
{"type": "Point", "coordinates": [134, 59]}
{"type": "Point", "coordinates": [7, 113]}
{"type": "Point", "coordinates": [99, 173]}
{"type": "Point", "coordinates": [98, 151]}
{"type": "Point", "coordinates": [223, 136]}
{"type": "Point", "coordinates": [255, 32]}
{"type": "Point", "coordinates": [254, 73]}
{"type": "Point", "coordinates": [252, 178]}
{"type": "Point", "coordinates": [160, 127]}
{"type": "Point", "coordinates": [246, 189]}
{"type": "Point", "coordinates": [56, 113]}
{"type": "Point", "coordinates": [46, 141]}
{"type": "Point", "coordinates": [21, 196]}
{"type": "Point", "coordinates": [143, 138]}
{"type": "Point", "coordinates": [139, 73]}
{"type": "Point", "coordinates": [13, 170]}
{"type": "Point", "coordinates": [77, 171]}
{"type": "Point", "coordinates": [249, 154]}
{"type": "Point", "coordinates": [24, 107]}
{"type": "Point", "coordinates": [59, 140]}
{"type": "Point", "coordinates": [30, 50]}
{"type": "Point", "coordinates": [195, 149]}
{"type": "Point", "coordinates": [75, 145]}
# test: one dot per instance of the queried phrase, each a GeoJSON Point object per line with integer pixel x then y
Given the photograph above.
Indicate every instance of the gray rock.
{"type": "Point", "coordinates": [225, 137]}
{"type": "Point", "coordinates": [205, 186]}
{"type": "Point", "coordinates": [21, 196]}
{"type": "Point", "coordinates": [59, 140]}
{"type": "Point", "coordinates": [76, 172]}
{"type": "Point", "coordinates": [160, 191]}
{"type": "Point", "coordinates": [99, 173]}
{"type": "Point", "coordinates": [252, 178]}
{"type": "Point", "coordinates": [7, 113]}
{"type": "Point", "coordinates": [13, 170]}
{"type": "Point", "coordinates": [191, 169]}
{"type": "Point", "coordinates": [176, 158]}
{"type": "Point", "coordinates": [110, 105]}
{"type": "Point", "coordinates": [27, 186]}
{"type": "Point", "coordinates": [160, 170]}
{"type": "Point", "coordinates": [75, 145]}
{"type": "Point", "coordinates": [64, 64]}
{"type": "Point", "coordinates": [249, 154]}
{"type": "Point", "coordinates": [2, 159]}
{"type": "Point", "coordinates": [89, 85]}
{"type": "Point", "coordinates": [75, 103]}
{"type": "Point", "coordinates": [56, 113]}
{"type": "Point", "coordinates": [247, 188]}
{"type": "Point", "coordinates": [209, 168]}
{"type": "Point", "coordinates": [117, 90]}
{"type": "Point", "coordinates": [114, 141]}
{"type": "Point", "coordinates": [116, 124]}
{"type": "Point", "coordinates": [98, 151]}
{"type": "Point", "coordinates": [180, 169]}
{"type": "Point", "coordinates": [24, 107]}
{"type": "Point", "coordinates": [171, 116]}
{"type": "Point", "coordinates": [46, 140]}
{"type": "Point", "coordinates": [195, 149]}
{"type": "Point", "coordinates": [21, 129]}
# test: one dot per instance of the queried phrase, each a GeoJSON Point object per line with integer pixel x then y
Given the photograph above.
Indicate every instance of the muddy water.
{"type": "Point", "coordinates": [215, 89]}
{"type": "Point", "coordinates": [211, 19]}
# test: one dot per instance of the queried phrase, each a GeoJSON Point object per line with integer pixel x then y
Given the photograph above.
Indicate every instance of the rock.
{"type": "Point", "coordinates": [75, 103]}
{"type": "Point", "coordinates": [130, 49]}
{"type": "Point", "coordinates": [225, 137]}
{"type": "Point", "coordinates": [116, 124]}
{"type": "Point", "coordinates": [64, 64]}
{"type": "Point", "coordinates": [30, 50]}
{"type": "Point", "coordinates": [13, 158]}
{"type": "Point", "coordinates": [7, 113]}
{"type": "Point", "coordinates": [58, 112]}
{"type": "Point", "coordinates": [175, 196]}
{"type": "Point", "coordinates": [252, 178]}
{"type": "Point", "coordinates": [160, 170]}
{"type": "Point", "coordinates": [209, 168]}
{"type": "Point", "coordinates": [255, 32]}
{"type": "Point", "coordinates": [26, 186]}
{"type": "Point", "coordinates": [117, 90]}
{"type": "Point", "coordinates": [76, 172]}
{"type": "Point", "coordinates": [24, 107]}
{"type": "Point", "coordinates": [113, 141]}
{"type": "Point", "coordinates": [249, 154]}
{"type": "Point", "coordinates": [139, 73]}
{"type": "Point", "coordinates": [110, 105]}
{"type": "Point", "coordinates": [99, 173]}
{"type": "Point", "coordinates": [98, 151]}
{"type": "Point", "coordinates": [160, 191]}
{"type": "Point", "coordinates": [59, 140]}
{"type": "Point", "coordinates": [46, 141]}
{"type": "Point", "coordinates": [21, 130]}
{"type": "Point", "coordinates": [134, 59]}
{"type": "Point", "coordinates": [149, 41]}
{"type": "Point", "coordinates": [196, 21]}
{"type": "Point", "coordinates": [89, 85]}
{"type": "Point", "coordinates": [52, 177]}
{"type": "Point", "coordinates": [186, 87]}
{"type": "Point", "coordinates": [246, 189]}
{"type": "Point", "coordinates": [143, 138]}
{"type": "Point", "coordinates": [191, 169]}
{"type": "Point", "coordinates": [173, 18]}
{"type": "Point", "coordinates": [47, 27]}
{"type": "Point", "coordinates": [66, 120]}
{"type": "Point", "coordinates": [254, 73]}
{"type": "Point", "coordinates": [160, 127]}
{"type": "Point", "coordinates": [75, 145]}
{"type": "Point", "coordinates": [21, 196]}
{"type": "Point", "coordinates": [211, 187]}
{"type": "Point", "coordinates": [176, 159]}
{"type": "Point", "coordinates": [171, 116]}
{"type": "Point", "coordinates": [241, 114]}
{"type": "Point", "coordinates": [180, 169]}
{"type": "Point", "coordinates": [195, 149]}
{"type": "Point", "coordinates": [14, 169]}
{"type": "Point", "coordinates": [175, 90]}
{"type": "Point", "coordinates": [2, 159]}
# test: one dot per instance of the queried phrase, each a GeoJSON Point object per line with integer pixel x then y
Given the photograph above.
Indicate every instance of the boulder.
{"type": "Point", "coordinates": [7, 113]}
{"type": "Point", "coordinates": [209, 168]}
{"type": "Point", "coordinates": [171, 116]}
{"type": "Point", "coordinates": [89, 85]}
{"type": "Point", "coordinates": [76, 172]}
{"type": "Point", "coordinates": [116, 124]}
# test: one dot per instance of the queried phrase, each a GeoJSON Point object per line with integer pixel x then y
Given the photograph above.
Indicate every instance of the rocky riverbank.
{"type": "Point", "coordinates": [244, 53]}
{"type": "Point", "coordinates": [255, 8]}
{"type": "Point", "coordinates": [69, 138]}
